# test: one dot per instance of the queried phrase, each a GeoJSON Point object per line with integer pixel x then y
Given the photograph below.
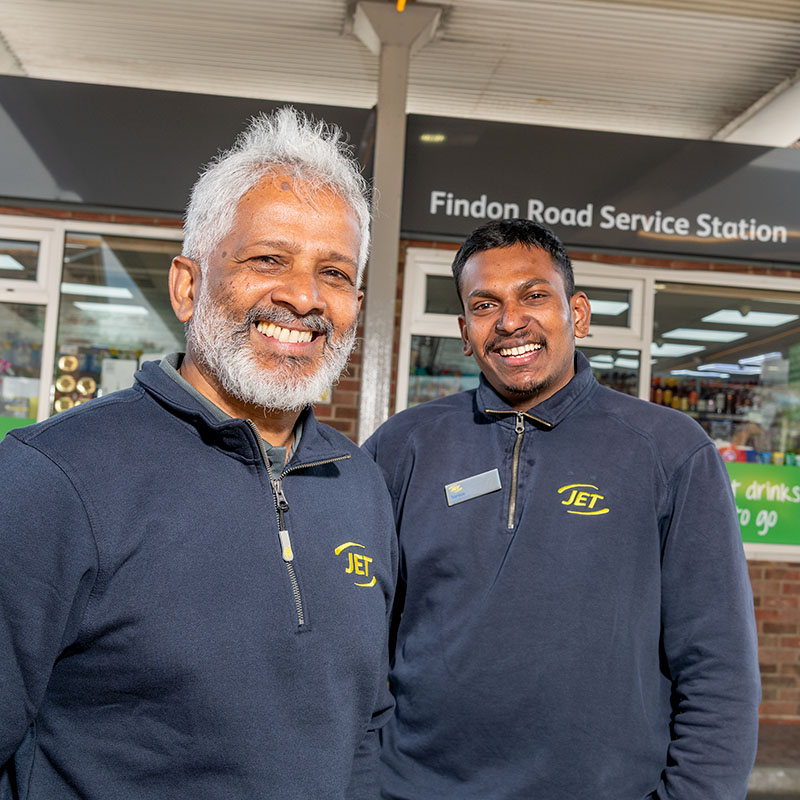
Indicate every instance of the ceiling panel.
{"type": "Point", "coordinates": [664, 67]}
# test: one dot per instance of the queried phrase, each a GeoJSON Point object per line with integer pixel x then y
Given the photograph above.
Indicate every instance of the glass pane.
{"type": "Point", "coordinates": [18, 259]}
{"type": "Point", "coordinates": [731, 358]}
{"type": "Point", "coordinates": [21, 332]}
{"type": "Point", "coordinates": [438, 367]}
{"type": "Point", "coordinates": [617, 369]}
{"type": "Point", "coordinates": [114, 309]}
{"type": "Point", "coordinates": [441, 296]}
{"type": "Point", "coordinates": [609, 306]}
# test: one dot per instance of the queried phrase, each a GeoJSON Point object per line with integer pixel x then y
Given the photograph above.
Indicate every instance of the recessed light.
{"type": "Point", "coordinates": [765, 319]}
{"type": "Point", "coordinates": [112, 308]}
{"type": "Point", "coordinates": [608, 308]}
{"type": "Point", "coordinates": [670, 350]}
{"type": "Point", "coordinates": [88, 290]}
{"type": "Point", "coordinates": [9, 262]}
{"type": "Point", "coordinates": [704, 335]}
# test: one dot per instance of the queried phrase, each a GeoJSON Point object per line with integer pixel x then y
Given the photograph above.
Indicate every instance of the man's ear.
{"type": "Point", "coordinates": [184, 285]}
{"type": "Point", "coordinates": [581, 314]}
{"type": "Point", "coordinates": [467, 345]}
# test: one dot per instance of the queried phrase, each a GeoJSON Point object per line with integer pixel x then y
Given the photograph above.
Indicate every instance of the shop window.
{"type": "Point", "coordinates": [441, 296]}
{"type": "Point", "coordinates": [610, 307]}
{"type": "Point", "coordinates": [114, 312]}
{"type": "Point", "coordinates": [18, 260]}
{"type": "Point", "coordinates": [617, 368]}
{"type": "Point", "coordinates": [21, 336]}
{"type": "Point", "coordinates": [731, 358]}
{"type": "Point", "coordinates": [438, 367]}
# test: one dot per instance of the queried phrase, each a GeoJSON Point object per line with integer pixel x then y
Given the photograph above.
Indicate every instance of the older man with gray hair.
{"type": "Point", "coordinates": [195, 593]}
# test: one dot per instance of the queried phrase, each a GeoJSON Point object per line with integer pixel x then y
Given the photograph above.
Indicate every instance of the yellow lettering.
{"type": "Point", "coordinates": [571, 498]}
{"type": "Point", "coordinates": [367, 561]}
{"type": "Point", "coordinates": [580, 500]}
{"type": "Point", "coordinates": [595, 498]}
{"type": "Point", "coordinates": [350, 566]}
{"type": "Point", "coordinates": [358, 561]}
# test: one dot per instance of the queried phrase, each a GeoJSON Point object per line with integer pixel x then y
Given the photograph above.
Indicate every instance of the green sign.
{"type": "Point", "coordinates": [767, 502]}
{"type": "Point", "coordinates": [7, 423]}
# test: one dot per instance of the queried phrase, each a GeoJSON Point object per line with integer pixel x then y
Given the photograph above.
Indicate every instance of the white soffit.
{"type": "Point", "coordinates": [684, 68]}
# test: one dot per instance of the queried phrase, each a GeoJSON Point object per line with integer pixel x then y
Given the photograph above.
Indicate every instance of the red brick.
{"type": "Point", "coordinates": [791, 588]}
{"type": "Point", "coordinates": [778, 708]}
{"type": "Point", "coordinates": [766, 587]}
{"type": "Point", "coordinates": [790, 642]}
{"type": "Point", "coordinates": [780, 627]}
{"type": "Point", "coordinates": [345, 412]}
{"type": "Point", "coordinates": [785, 681]}
{"type": "Point", "coordinates": [783, 573]}
{"type": "Point", "coordinates": [781, 602]}
{"type": "Point", "coordinates": [347, 385]}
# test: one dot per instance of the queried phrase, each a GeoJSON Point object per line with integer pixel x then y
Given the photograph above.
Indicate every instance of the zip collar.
{"type": "Point", "coordinates": [549, 412]}
{"type": "Point", "coordinates": [234, 435]}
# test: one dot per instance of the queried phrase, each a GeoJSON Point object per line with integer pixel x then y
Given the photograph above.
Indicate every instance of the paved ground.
{"type": "Point", "coordinates": [776, 775]}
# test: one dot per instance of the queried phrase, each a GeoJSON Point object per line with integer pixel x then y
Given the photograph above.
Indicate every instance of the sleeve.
{"type": "Point", "coordinates": [365, 781]}
{"type": "Point", "coordinates": [709, 638]}
{"type": "Point", "coordinates": [49, 565]}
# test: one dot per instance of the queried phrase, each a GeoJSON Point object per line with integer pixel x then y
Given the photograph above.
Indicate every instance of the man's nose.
{"type": "Point", "coordinates": [299, 291]}
{"type": "Point", "coordinates": [513, 318]}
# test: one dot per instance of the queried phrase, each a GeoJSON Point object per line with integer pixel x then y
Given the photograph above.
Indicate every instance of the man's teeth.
{"type": "Point", "coordinates": [290, 335]}
{"type": "Point", "coordinates": [519, 351]}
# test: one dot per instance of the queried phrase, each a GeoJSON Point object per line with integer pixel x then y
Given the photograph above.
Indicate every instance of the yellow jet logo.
{"type": "Point", "coordinates": [357, 563]}
{"type": "Point", "coordinates": [583, 499]}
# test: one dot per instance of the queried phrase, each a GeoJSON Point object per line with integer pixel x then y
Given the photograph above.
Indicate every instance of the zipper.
{"type": "Point", "coordinates": [519, 429]}
{"type": "Point", "coordinates": [281, 507]}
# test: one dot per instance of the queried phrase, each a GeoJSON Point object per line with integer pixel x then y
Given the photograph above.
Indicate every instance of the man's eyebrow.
{"type": "Point", "coordinates": [523, 287]}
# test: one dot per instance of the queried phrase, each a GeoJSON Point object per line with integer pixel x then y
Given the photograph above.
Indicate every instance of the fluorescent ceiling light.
{"type": "Point", "coordinates": [738, 369]}
{"type": "Point", "coordinates": [9, 262]}
{"type": "Point", "coordinates": [628, 352]}
{"type": "Point", "coordinates": [112, 308]}
{"type": "Point", "coordinates": [608, 308]}
{"type": "Point", "coordinates": [696, 374]}
{"type": "Point", "coordinates": [669, 350]}
{"type": "Point", "coordinates": [601, 361]}
{"type": "Point", "coordinates": [627, 363]}
{"type": "Point", "coordinates": [88, 290]}
{"type": "Point", "coordinates": [765, 319]}
{"type": "Point", "coordinates": [432, 138]}
{"type": "Point", "coordinates": [760, 359]}
{"type": "Point", "coordinates": [703, 335]}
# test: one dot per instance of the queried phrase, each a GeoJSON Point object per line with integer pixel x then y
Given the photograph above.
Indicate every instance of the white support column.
{"type": "Point", "coordinates": [394, 36]}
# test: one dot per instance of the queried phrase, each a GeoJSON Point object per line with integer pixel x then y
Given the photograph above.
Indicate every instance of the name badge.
{"type": "Point", "coordinates": [475, 486]}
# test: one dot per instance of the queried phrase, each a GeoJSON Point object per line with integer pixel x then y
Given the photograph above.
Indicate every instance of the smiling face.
{"type": "Point", "coordinates": [519, 324]}
{"type": "Point", "coordinates": [272, 316]}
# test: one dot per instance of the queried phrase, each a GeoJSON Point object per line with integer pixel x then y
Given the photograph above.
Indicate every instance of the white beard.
{"type": "Point", "coordinates": [222, 345]}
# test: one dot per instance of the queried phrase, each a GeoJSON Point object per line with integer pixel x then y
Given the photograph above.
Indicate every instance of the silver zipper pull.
{"type": "Point", "coordinates": [520, 424]}
{"type": "Point", "coordinates": [286, 546]}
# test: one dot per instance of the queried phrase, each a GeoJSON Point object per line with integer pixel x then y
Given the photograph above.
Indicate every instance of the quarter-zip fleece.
{"type": "Point", "coordinates": [586, 631]}
{"type": "Point", "coordinates": [151, 645]}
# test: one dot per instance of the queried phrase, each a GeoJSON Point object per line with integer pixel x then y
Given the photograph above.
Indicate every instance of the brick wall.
{"type": "Point", "coordinates": [776, 594]}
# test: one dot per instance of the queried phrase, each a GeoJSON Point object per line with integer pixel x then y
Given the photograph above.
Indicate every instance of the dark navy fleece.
{"type": "Point", "coordinates": [150, 645]}
{"type": "Point", "coordinates": [602, 647]}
